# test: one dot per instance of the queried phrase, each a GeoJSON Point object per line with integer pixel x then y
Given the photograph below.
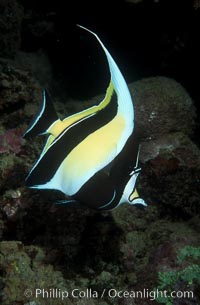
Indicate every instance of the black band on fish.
{"type": "Point", "coordinates": [91, 156]}
{"type": "Point", "coordinates": [67, 140]}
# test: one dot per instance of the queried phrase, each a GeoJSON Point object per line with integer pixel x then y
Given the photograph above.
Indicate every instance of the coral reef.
{"type": "Point", "coordinates": [61, 248]}
{"type": "Point", "coordinates": [162, 106]}
{"type": "Point", "coordinates": [50, 246]}
{"type": "Point", "coordinates": [165, 119]}
{"type": "Point", "coordinates": [185, 277]}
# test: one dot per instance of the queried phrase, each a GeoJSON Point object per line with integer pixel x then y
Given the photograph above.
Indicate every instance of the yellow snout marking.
{"type": "Point", "coordinates": [133, 195]}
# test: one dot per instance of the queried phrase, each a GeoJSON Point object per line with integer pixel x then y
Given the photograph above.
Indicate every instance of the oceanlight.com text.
{"type": "Point", "coordinates": [55, 293]}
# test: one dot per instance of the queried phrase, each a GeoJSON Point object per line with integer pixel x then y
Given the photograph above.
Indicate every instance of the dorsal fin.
{"type": "Point", "coordinates": [44, 119]}
{"type": "Point", "coordinates": [125, 104]}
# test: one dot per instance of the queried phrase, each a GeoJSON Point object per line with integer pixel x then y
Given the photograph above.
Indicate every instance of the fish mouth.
{"type": "Point", "coordinates": [139, 201]}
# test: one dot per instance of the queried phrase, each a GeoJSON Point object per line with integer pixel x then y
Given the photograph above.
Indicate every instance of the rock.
{"type": "Point", "coordinates": [176, 145]}
{"type": "Point", "coordinates": [171, 239]}
{"type": "Point", "coordinates": [165, 118]}
{"type": "Point", "coordinates": [11, 141]}
{"type": "Point", "coordinates": [11, 14]}
{"type": "Point", "coordinates": [162, 106]}
{"type": "Point", "coordinates": [18, 88]}
{"type": "Point", "coordinates": [171, 174]}
{"type": "Point", "coordinates": [26, 272]}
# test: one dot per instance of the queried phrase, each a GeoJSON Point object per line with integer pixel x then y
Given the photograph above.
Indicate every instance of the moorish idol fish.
{"type": "Point", "coordinates": [90, 156]}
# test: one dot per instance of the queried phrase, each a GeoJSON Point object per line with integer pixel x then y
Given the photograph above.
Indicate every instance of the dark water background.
{"type": "Point", "coordinates": [146, 39]}
{"type": "Point", "coordinates": [150, 38]}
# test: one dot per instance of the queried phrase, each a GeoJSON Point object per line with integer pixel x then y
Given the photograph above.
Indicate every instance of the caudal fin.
{"type": "Point", "coordinates": [44, 119]}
